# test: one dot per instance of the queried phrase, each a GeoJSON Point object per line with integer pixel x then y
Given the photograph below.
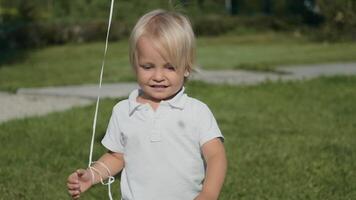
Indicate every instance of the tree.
{"type": "Point", "coordinates": [340, 18]}
{"type": "Point", "coordinates": [267, 6]}
{"type": "Point", "coordinates": [233, 6]}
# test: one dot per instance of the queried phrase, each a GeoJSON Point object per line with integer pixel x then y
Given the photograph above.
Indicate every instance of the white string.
{"type": "Point", "coordinates": [111, 179]}
{"type": "Point", "coordinates": [92, 175]}
{"type": "Point", "coordinates": [100, 82]}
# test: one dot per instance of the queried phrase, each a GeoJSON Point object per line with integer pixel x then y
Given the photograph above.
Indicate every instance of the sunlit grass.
{"type": "Point", "coordinates": [67, 65]}
{"type": "Point", "coordinates": [266, 51]}
{"type": "Point", "coordinates": [284, 141]}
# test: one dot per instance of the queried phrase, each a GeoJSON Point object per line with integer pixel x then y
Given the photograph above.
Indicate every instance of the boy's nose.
{"type": "Point", "coordinates": [158, 76]}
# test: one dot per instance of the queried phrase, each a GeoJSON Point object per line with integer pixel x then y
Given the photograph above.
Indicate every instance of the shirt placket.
{"type": "Point", "coordinates": [155, 133]}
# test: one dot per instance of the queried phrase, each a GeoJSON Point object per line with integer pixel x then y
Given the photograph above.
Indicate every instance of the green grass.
{"type": "Point", "coordinates": [291, 140]}
{"type": "Point", "coordinates": [263, 52]}
{"type": "Point", "coordinates": [80, 63]}
{"type": "Point", "coordinates": [67, 65]}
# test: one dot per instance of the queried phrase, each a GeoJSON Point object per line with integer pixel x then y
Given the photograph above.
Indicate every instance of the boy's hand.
{"type": "Point", "coordinates": [78, 182]}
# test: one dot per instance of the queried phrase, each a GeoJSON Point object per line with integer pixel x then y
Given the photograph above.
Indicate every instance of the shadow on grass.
{"type": "Point", "coordinates": [260, 68]}
{"type": "Point", "coordinates": [10, 56]}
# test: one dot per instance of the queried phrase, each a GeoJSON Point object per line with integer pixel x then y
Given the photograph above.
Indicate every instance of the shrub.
{"type": "Point", "coordinates": [340, 20]}
{"type": "Point", "coordinates": [214, 24]}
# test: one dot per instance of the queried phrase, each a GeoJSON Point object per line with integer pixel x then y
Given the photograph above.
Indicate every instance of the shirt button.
{"type": "Point", "coordinates": [155, 136]}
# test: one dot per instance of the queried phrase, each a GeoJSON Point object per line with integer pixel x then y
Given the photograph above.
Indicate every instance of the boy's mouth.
{"type": "Point", "coordinates": [159, 86]}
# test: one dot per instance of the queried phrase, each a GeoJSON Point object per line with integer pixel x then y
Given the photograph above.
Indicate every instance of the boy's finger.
{"type": "Point", "coordinates": [73, 181]}
{"type": "Point", "coordinates": [73, 193]}
{"type": "Point", "coordinates": [76, 196]}
{"type": "Point", "coordinates": [73, 186]}
{"type": "Point", "coordinates": [72, 178]}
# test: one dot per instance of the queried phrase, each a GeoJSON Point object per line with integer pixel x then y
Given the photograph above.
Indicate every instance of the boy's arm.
{"type": "Point", "coordinates": [112, 160]}
{"type": "Point", "coordinates": [214, 155]}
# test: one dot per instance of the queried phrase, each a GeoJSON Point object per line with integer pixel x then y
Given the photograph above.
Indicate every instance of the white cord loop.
{"type": "Point", "coordinates": [110, 179]}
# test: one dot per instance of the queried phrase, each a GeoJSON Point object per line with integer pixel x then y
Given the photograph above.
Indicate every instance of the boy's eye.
{"type": "Point", "coordinates": [146, 66]}
{"type": "Point", "coordinates": [170, 67]}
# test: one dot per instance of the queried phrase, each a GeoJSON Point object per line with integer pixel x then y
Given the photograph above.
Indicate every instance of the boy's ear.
{"type": "Point", "coordinates": [186, 73]}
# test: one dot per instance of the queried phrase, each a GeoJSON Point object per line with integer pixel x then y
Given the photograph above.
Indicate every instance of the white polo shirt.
{"type": "Point", "coordinates": [162, 148]}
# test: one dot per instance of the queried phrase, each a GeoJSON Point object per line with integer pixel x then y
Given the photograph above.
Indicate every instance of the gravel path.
{"type": "Point", "coordinates": [40, 101]}
{"type": "Point", "coordinates": [239, 77]}
{"type": "Point", "coordinates": [14, 106]}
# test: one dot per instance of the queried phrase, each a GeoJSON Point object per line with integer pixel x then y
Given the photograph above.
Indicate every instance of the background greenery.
{"type": "Point", "coordinates": [37, 23]}
{"type": "Point", "coordinates": [80, 63]}
{"type": "Point", "coordinates": [291, 140]}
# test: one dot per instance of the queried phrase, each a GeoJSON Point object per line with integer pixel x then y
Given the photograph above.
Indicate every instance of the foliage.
{"type": "Point", "coordinates": [298, 12]}
{"type": "Point", "coordinates": [37, 23]}
{"type": "Point", "coordinates": [340, 20]}
{"type": "Point", "coordinates": [213, 25]}
{"type": "Point", "coordinates": [324, 20]}
{"type": "Point", "coordinates": [30, 24]}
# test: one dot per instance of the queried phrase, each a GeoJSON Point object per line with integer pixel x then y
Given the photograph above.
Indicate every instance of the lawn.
{"type": "Point", "coordinates": [292, 140]}
{"type": "Point", "coordinates": [80, 63]}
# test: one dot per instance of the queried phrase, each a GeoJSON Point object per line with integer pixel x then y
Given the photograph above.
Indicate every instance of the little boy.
{"type": "Point", "coordinates": [168, 145]}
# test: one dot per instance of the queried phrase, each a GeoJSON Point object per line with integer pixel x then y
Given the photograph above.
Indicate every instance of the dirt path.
{"type": "Point", "coordinates": [40, 101]}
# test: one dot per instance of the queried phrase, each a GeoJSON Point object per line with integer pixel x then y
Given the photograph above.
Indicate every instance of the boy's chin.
{"type": "Point", "coordinates": [160, 97]}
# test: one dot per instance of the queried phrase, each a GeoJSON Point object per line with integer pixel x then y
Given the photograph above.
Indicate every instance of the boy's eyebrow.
{"type": "Point", "coordinates": [145, 63]}
{"type": "Point", "coordinates": [150, 63]}
{"type": "Point", "coordinates": [170, 64]}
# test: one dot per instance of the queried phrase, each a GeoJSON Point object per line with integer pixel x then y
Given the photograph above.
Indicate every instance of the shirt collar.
{"type": "Point", "coordinates": [133, 104]}
{"type": "Point", "coordinates": [178, 101]}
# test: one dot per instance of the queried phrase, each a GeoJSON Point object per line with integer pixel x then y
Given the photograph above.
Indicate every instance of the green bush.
{"type": "Point", "coordinates": [39, 34]}
{"type": "Point", "coordinates": [213, 24]}
{"type": "Point", "coordinates": [265, 22]}
{"type": "Point", "coordinates": [28, 24]}
{"type": "Point", "coordinates": [95, 30]}
{"type": "Point", "coordinates": [340, 24]}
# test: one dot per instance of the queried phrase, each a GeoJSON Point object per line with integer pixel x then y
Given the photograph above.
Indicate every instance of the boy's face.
{"type": "Point", "coordinates": [158, 79]}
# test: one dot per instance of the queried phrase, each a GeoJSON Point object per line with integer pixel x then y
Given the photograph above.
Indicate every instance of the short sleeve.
{"type": "Point", "coordinates": [207, 126]}
{"type": "Point", "coordinates": [113, 139]}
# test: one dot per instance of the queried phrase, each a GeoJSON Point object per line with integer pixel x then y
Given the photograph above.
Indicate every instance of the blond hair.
{"type": "Point", "coordinates": [172, 35]}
